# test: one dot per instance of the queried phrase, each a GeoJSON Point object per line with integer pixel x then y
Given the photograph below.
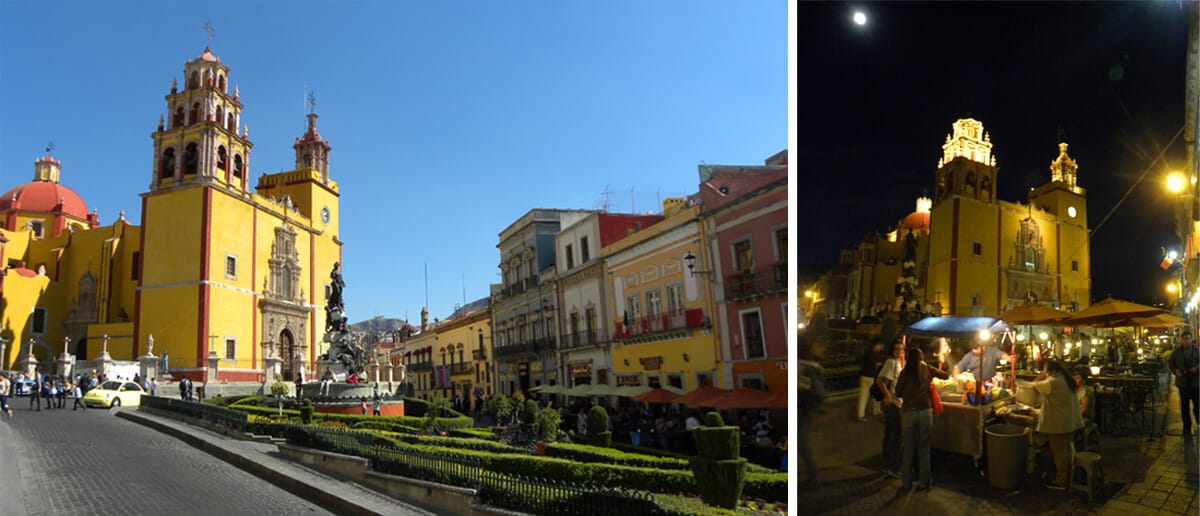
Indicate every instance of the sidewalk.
{"type": "Point", "coordinates": [1143, 476]}
{"type": "Point", "coordinates": [263, 460]}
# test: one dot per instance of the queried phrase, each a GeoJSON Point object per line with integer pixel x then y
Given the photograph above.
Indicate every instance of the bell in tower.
{"type": "Point", "coordinates": [312, 152]}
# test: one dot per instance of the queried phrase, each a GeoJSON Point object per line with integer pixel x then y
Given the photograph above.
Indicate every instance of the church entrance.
{"type": "Point", "coordinates": [287, 351]}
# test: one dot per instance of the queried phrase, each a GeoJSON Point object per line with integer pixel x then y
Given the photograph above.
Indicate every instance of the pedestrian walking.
{"type": "Point", "coordinates": [376, 408]}
{"type": "Point", "coordinates": [63, 389]}
{"type": "Point", "coordinates": [1185, 365]}
{"type": "Point", "coordinates": [363, 405]}
{"type": "Point", "coordinates": [892, 406]}
{"type": "Point", "coordinates": [5, 387]}
{"type": "Point", "coordinates": [35, 394]}
{"type": "Point", "coordinates": [299, 383]}
{"type": "Point", "coordinates": [153, 387]}
{"type": "Point", "coordinates": [78, 392]}
{"type": "Point", "coordinates": [869, 366]}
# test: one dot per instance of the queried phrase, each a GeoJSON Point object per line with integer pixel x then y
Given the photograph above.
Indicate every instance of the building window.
{"type": "Point", "coordinates": [583, 249]}
{"type": "Point", "coordinates": [674, 298]}
{"type": "Point", "coordinates": [167, 167]}
{"type": "Point", "coordinates": [135, 269]}
{"type": "Point", "coordinates": [633, 306]}
{"type": "Point", "coordinates": [977, 248]}
{"type": "Point", "coordinates": [752, 381]}
{"type": "Point", "coordinates": [230, 267]}
{"type": "Point", "coordinates": [653, 303]}
{"type": "Point", "coordinates": [37, 227]}
{"type": "Point", "coordinates": [781, 248]}
{"type": "Point", "coordinates": [191, 159]}
{"type": "Point", "coordinates": [230, 348]}
{"type": "Point", "coordinates": [222, 158]}
{"type": "Point", "coordinates": [752, 334]}
{"type": "Point", "coordinates": [743, 256]}
{"type": "Point", "coordinates": [1074, 265]}
{"type": "Point", "coordinates": [570, 257]}
{"type": "Point", "coordinates": [37, 324]}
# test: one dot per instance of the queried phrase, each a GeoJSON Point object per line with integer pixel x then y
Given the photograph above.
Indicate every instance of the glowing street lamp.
{"type": "Point", "coordinates": [1176, 182]}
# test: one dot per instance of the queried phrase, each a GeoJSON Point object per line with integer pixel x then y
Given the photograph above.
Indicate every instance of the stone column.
{"type": "Point", "coordinates": [105, 359]}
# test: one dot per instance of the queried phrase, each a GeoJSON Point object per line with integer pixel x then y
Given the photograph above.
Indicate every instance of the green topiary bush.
{"type": "Point", "coordinates": [548, 423]}
{"type": "Point", "coordinates": [501, 408]}
{"type": "Point", "coordinates": [714, 419]}
{"type": "Point", "coordinates": [719, 472]}
{"type": "Point", "coordinates": [306, 411]}
{"type": "Point", "coordinates": [597, 425]}
{"type": "Point", "coordinates": [528, 416]}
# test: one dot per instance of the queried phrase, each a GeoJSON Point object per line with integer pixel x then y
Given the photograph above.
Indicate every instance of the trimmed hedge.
{"type": "Point", "coordinates": [586, 453]}
{"type": "Point", "coordinates": [351, 419]}
{"type": "Point", "coordinates": [387, 426]}
{"type": "Point", "coordinates": [478, 433]}
{"type": "Point", "coordinates": [417, 407]}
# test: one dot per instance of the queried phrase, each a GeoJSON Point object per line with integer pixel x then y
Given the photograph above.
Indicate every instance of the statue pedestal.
{"type": "Point", "coordinates": [63, 365]}
{"type": "Point", "coordinates": [106, 363]}
{"type": "Point", "coordinates": [299, 367]}
{"type": "Point", "coordinates": [272, 366]}
{"type": "Point", "coordinates": [214, 363]}
{"type": "Point", "coordinates": [28, 364]}
{"type": "Point", "coordinates": [149, 365]}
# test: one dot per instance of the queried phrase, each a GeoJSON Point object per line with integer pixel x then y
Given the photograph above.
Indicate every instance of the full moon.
{"type": "Point", "coordinates": [860, 18]}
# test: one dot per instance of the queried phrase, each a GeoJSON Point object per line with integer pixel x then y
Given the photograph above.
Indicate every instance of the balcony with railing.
{"type": "Point", "coordinates": [756, 282]}
{"type": "Point", "coordinates": [579, 339]}
{"type": "Point", "coordinates": [420, 366]}
{"type": "Point", "coordinates": [461, 368]}
{"type": "Point", "coordinates": [519, 348]}
{"type": "Point", "coordinates": [478, 354]}
{"type": "Point", "coordinates": [661, 323]}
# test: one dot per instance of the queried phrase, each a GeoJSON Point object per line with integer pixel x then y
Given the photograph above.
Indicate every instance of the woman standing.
{"type": "Point", "coordinates": [1059, 419]}
{"type": "Point", "coordinates": [886, 379]}
{"type": "Point", "coordinates": [916, 421]}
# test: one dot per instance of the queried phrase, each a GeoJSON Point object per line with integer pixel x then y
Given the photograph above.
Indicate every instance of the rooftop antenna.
{"type": "Point", "coordinates": [464, 285]}
{"type": "Point", "coordinates": [208, 28]}
{"type": "Point", "coordinates": [605, 194]}
{"type": "Point", "coordinates": [426, 285]}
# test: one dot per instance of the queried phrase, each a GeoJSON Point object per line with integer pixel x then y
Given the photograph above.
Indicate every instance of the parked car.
{"type": "Point", "coordinates": [114, 393]}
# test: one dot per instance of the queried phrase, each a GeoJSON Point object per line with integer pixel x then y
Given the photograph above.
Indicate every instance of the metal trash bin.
{"type": "Point", "coordinates": [1006, 454]}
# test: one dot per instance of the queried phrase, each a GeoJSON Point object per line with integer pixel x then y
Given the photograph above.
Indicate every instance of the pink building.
{"type": "Point", "coordinates": [745, 221]}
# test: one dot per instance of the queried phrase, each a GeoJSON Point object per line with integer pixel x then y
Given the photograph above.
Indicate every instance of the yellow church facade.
{"type": "Point", "coordinates": [221, 278]}
{"type": "Point", "coordinates": [986, 255]}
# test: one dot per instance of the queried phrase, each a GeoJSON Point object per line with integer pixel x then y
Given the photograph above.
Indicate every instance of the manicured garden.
{"type": "Point", "coordinates": [437, 444]}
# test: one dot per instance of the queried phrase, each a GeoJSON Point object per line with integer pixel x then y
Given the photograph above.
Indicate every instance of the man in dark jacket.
{"type": "Point", "coordinates": [1185, 365]}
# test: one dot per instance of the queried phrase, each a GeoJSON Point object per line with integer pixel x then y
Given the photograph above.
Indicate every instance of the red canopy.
{"type": "Point", "coordinates": [657, 396]}
{"type": "Point", "coordinates": [702, 397]}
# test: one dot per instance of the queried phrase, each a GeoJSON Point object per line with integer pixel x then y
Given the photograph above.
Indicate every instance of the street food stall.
{"type": "Point", "coordinates": [968, 406]}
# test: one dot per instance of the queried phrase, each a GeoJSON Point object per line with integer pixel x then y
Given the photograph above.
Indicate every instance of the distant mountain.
{"type": "Point", "coordinates": [378, 324]}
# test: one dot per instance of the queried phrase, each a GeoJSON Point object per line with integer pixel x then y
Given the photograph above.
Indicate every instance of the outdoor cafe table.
{"type": "Point", "coordinates": [1125, 404]}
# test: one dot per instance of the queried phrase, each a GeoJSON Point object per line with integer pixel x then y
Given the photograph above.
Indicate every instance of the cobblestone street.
{"type": "Point", "coordinates": [90, 462]}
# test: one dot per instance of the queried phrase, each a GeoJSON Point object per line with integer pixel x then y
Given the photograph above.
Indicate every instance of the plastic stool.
{"type": "Point", "coordinates": [1093, 474]}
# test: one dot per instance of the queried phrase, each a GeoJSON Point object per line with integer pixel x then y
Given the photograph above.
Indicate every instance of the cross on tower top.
{"type": "Point", "coordinates": [312, 101]}
{"type": "Point", "coordinates": [208, 28]}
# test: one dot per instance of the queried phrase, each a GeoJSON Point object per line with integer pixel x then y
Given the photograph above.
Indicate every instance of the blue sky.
{"type": "Point", "coordinates": [448, 120]}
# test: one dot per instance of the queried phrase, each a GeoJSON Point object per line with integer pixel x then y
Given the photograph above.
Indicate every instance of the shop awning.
{"type": "Point", "coordinates": [955, 327]}
{"type": "Point", "coordinates": [657, 396]}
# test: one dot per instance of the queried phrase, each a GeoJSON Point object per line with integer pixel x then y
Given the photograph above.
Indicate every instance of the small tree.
{"type": "Point", "coordinates": [279, 390]}
{"type": "Point", "coordinates": [437, 405]}
{"type": "Point", "coordinates": [501, 407]}
{"type": "Point", "coordinates": [548, 423]}
{"type": "Point", "coordinates": [306, 411]}
{"type": "Point", "coordinates": [597, 426]}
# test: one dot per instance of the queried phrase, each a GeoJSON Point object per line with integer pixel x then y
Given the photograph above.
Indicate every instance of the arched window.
{"type": "Point", "coordinates": [222, 159]}
{"type": "Point", "coordinates": [194, 80]}
{"type": "Point", "coordinates": [220, 115]}
{"type": "Point", "coordinates": [237, 166]}
{"type": "Point", "coordinates": [221, 82]}
{"type": "Point", "coordinates": [167, 166]}
{"type": "Point", "coordinates": [191, 159]}
{"type": "Point", "coordinates": [194, 114]}
{"type": "Point", "coordinates": [231, 124]}
{"type": "Point", "coordinates": [177, 121]}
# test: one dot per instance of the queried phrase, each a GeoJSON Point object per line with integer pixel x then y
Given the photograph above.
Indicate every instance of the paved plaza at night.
{"type": "Point", "coordinates": [1144, 476]}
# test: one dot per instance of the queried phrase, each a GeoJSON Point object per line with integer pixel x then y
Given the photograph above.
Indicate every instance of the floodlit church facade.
{"type": "Point", "coordinates": [216, 274]}
{"type": "Point", "coordinates": [976, 254]}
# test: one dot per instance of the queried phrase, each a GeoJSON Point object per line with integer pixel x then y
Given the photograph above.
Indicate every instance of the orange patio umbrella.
{"type": "Point", "coordinates": [657, 396]}
{"type": "Point", "coordinates": [701, 397]}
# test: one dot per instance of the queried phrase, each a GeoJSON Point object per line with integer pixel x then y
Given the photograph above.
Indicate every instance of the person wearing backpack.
{"type": "Point", "coordinates": [811, 402]}
{"type": "Point", "coordinates": [872, 361]}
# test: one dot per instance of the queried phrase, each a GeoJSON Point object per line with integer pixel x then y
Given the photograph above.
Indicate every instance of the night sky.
{"type": "Point", "coordinates": [876, 103]}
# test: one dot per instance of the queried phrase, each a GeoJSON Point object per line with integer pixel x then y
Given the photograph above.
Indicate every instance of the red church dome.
{"type": "Point", "coordinates": [44, 196]}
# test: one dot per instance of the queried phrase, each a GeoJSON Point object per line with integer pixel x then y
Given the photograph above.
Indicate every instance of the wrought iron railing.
{"type": "Point", "coordinates": [527, 494]}
{"type": "Point", "coordinates": [677, 320]}
{"type": "Point", "coordinates": [762, 281]}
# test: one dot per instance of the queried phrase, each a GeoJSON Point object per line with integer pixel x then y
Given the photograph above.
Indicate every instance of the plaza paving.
{"type": "Point", "coordinates": [1144, 475]}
